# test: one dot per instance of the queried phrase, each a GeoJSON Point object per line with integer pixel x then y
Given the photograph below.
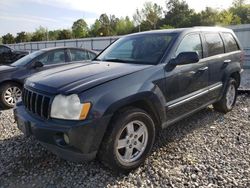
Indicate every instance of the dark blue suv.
{"type": "Point", "coordinates": [114, 106]}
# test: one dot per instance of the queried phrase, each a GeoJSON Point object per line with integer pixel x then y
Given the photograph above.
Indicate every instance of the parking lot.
{"type": "Point", "coordinates": [208, 149]}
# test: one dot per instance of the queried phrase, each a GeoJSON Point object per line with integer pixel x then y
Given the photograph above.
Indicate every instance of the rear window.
{"type": "Point", "coordinates": [230, 42]}
{"type": "Point", "coordinates": [214, 44]}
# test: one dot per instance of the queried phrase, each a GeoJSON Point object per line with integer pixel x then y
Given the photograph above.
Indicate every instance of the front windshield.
{"type": "Point", "coordinates": [139, 49]}
{"type": "Point", "coordinates": [26, 59]}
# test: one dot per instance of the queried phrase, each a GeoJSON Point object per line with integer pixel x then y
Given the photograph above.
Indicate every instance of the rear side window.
{"type": "Point", "coordinates": [214, 44]}
{"type": "Point", "coordinates": [92, 55]}
{"type": "Point", "coordinates": [230, 42]}
{"type": "Point", "coordinates": [191, 43]}
{"type": "Point", "coordinates": [79, 55]}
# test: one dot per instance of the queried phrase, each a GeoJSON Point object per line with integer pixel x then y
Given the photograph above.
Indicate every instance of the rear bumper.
{"type": "Point", "coordinates": [84, 136]}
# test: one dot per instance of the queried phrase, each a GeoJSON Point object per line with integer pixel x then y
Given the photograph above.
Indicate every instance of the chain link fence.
{"type": "Point", "coordinates": [99, 43]}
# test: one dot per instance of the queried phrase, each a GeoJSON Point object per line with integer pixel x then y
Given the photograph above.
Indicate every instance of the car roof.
{"type": "Point", "coordinates": [66, 47]}
{"type": "Point", "coordinates": [5, 46]}
{"type": "Point", "coordinates": [182, 30]}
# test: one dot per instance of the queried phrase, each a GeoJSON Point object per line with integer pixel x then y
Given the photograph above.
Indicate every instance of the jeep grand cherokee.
{"type": "Point", "coordinates": [114, 106]}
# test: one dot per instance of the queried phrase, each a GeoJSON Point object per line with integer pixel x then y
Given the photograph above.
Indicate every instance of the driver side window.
{"type": "Point", "coordinates": [191, 43]}
{"type": "Point", "coordinates": [53, 57]}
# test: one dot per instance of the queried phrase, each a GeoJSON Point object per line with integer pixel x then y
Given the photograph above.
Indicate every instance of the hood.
{"type": "Point", "coordinates": [78, 77]}
{"type": "Point", "coordinates": [6, 68]}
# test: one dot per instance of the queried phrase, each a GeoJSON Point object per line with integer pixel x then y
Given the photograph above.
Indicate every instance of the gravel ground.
{"type": "Point", "coordinates": [208, 149]}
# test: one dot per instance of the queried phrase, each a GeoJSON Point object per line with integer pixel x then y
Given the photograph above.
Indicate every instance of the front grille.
{"type": "Point", "coordinates": [36, 103]}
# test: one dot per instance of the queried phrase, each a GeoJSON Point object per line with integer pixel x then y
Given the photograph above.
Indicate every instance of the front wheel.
{"type": "Point", "coordinates": [10, 93]}
{"type": "Point", "coordinates": [228, 99]}
{"type": "Point", "coordinates": [129, 140]}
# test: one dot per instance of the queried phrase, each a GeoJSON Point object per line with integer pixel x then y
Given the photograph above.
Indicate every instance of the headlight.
{"type": "Point", "coordinates": [69, 107]}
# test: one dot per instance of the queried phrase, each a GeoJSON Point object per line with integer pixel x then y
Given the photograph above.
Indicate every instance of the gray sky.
{"type": "Point", "coordinates": [27, 15]}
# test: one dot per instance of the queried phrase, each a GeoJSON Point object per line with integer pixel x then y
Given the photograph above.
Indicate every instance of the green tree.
{"type": "Point", "coordinates": [152, 13]}
{"type": "Point", "coordinates": [108, 25]}
{"type": "Point", "coordinates": [138, 18]}
{"type": "Point", "coordinates": [124, 26]}
{"type": "Point", "coordinates": [178, 14]}
{"type": "Point", "coordinates": [22, 37]}
{"type": "Point", "coordinates": [239, 3]}
{"type": "Point", "coordinates": [1, 40]}
{"type": "Point", "coordinates": [95, 29]}
{"type": "Point", "coordinates": [80, 29]}
{"type": "Point", "coordinates": [166, 27]}
{"type": "Point", "coordinates": [64, 34]}
{"type": "Point", "coordinates": [40, 34]}
{"type": "Point", "coordinates": [209, 16]}
{"type": "Point", "coordinates": [242, 11]}
{"type": "Point", "coordinates": [8, 39]}
{"type": "Point", "coordinates": [228, 18]}
{"type": "Point", "coordinates": [53, 35]}
{"type": "Point", "coordinates": [105, 29]}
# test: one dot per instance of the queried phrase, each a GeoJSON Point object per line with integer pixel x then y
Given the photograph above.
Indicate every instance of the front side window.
{"type": "Point", "coordinates": [214, 44]}
{"type": "Point", "coordinates": [230, 42]}
{"type": "Point", "coordinates": [191, 43]}
{"type": "Point", "coordinates": [78, 55]}
{"type": "Point", "coordinates": [27, 59]}
{"type": "Point", "coordinates": [4, 49]}
{"type": "Point", "coordinates": [53, 57]}
{"type": "Point", "coordinates": [138, 49]}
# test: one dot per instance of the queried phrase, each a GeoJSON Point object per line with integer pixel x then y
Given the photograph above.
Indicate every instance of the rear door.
{"type": "Point", "coordinates": [215, 56]}
{"type": "Point", "coordinates": [79, 55]}
{"type": "Point", "coordinates": [233, 52]}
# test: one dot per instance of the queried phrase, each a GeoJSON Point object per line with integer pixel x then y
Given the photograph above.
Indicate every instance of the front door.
{"type": "Point", "coordinates": [50, 60]}
{"type": "Point", "coordinates": [186, 85]}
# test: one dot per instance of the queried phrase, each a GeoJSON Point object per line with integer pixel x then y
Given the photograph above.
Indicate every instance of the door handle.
{"type": "Point", "coordinates": [228, 61]}
{"type": "Point", "coordinates": [203, 69]}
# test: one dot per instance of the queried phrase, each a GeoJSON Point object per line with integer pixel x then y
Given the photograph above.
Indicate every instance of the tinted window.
{"type": "Point", "coordinates": [230, 43]}
{"type": "Point", "coordinates": [78, 55]}
{"type": "Point", "coordinates": [52, 57]}
{"type": "Point", "coordinates": [191, 43]}
{"type": "Point", "coordinates": [214, 44]}
{"type": "Point", "coordinates": [92, 55]}
{"type": "Point", "coordinates": [139, 49]}
{"type": "Point", "coordinates": [26, 59]}
{"type": "Point", "coordinates": [4, 49]}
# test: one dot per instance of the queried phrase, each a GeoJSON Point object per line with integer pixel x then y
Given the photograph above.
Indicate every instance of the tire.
{"type": "Point", "coordinates": [9, 94]}
{"type": "Point", "coordinates": [227, 102]}
{"type": "Point", "coordinates": [121, 160]}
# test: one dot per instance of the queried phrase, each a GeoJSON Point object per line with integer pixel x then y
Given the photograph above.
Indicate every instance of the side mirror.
{"type": "Point", "coordinates": [185, 58]}
{"type": "Point", "coordinates": [36, 64]}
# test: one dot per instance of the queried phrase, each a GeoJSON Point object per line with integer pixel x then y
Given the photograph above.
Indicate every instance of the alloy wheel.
{"type": "Point", "coordinates": [12, 94]}
{"type": "Point", "coordinates": [132, 141]}
{"type": "Point", "coordinates": [230, 96]}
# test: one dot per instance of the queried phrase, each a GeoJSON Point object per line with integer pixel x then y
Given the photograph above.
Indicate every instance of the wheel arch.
{"type": "Point", "coordinates": [11, 81]}
{"type": "Point", "coordinates": [150, 103]}
{"type": "Point", "coordinates": [237, 77]}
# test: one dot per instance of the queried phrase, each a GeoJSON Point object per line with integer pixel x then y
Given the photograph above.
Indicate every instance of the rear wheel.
{"type": "Point", "coordinates": [228, 100]}
{"type": "Point", "coordinates": [129, 140]}
{"type": "Point", "coordinates": [10, 93]}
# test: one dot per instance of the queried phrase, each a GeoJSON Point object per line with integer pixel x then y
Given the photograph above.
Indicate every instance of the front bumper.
{"type": "Point", "coordinates": [84, 136]}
